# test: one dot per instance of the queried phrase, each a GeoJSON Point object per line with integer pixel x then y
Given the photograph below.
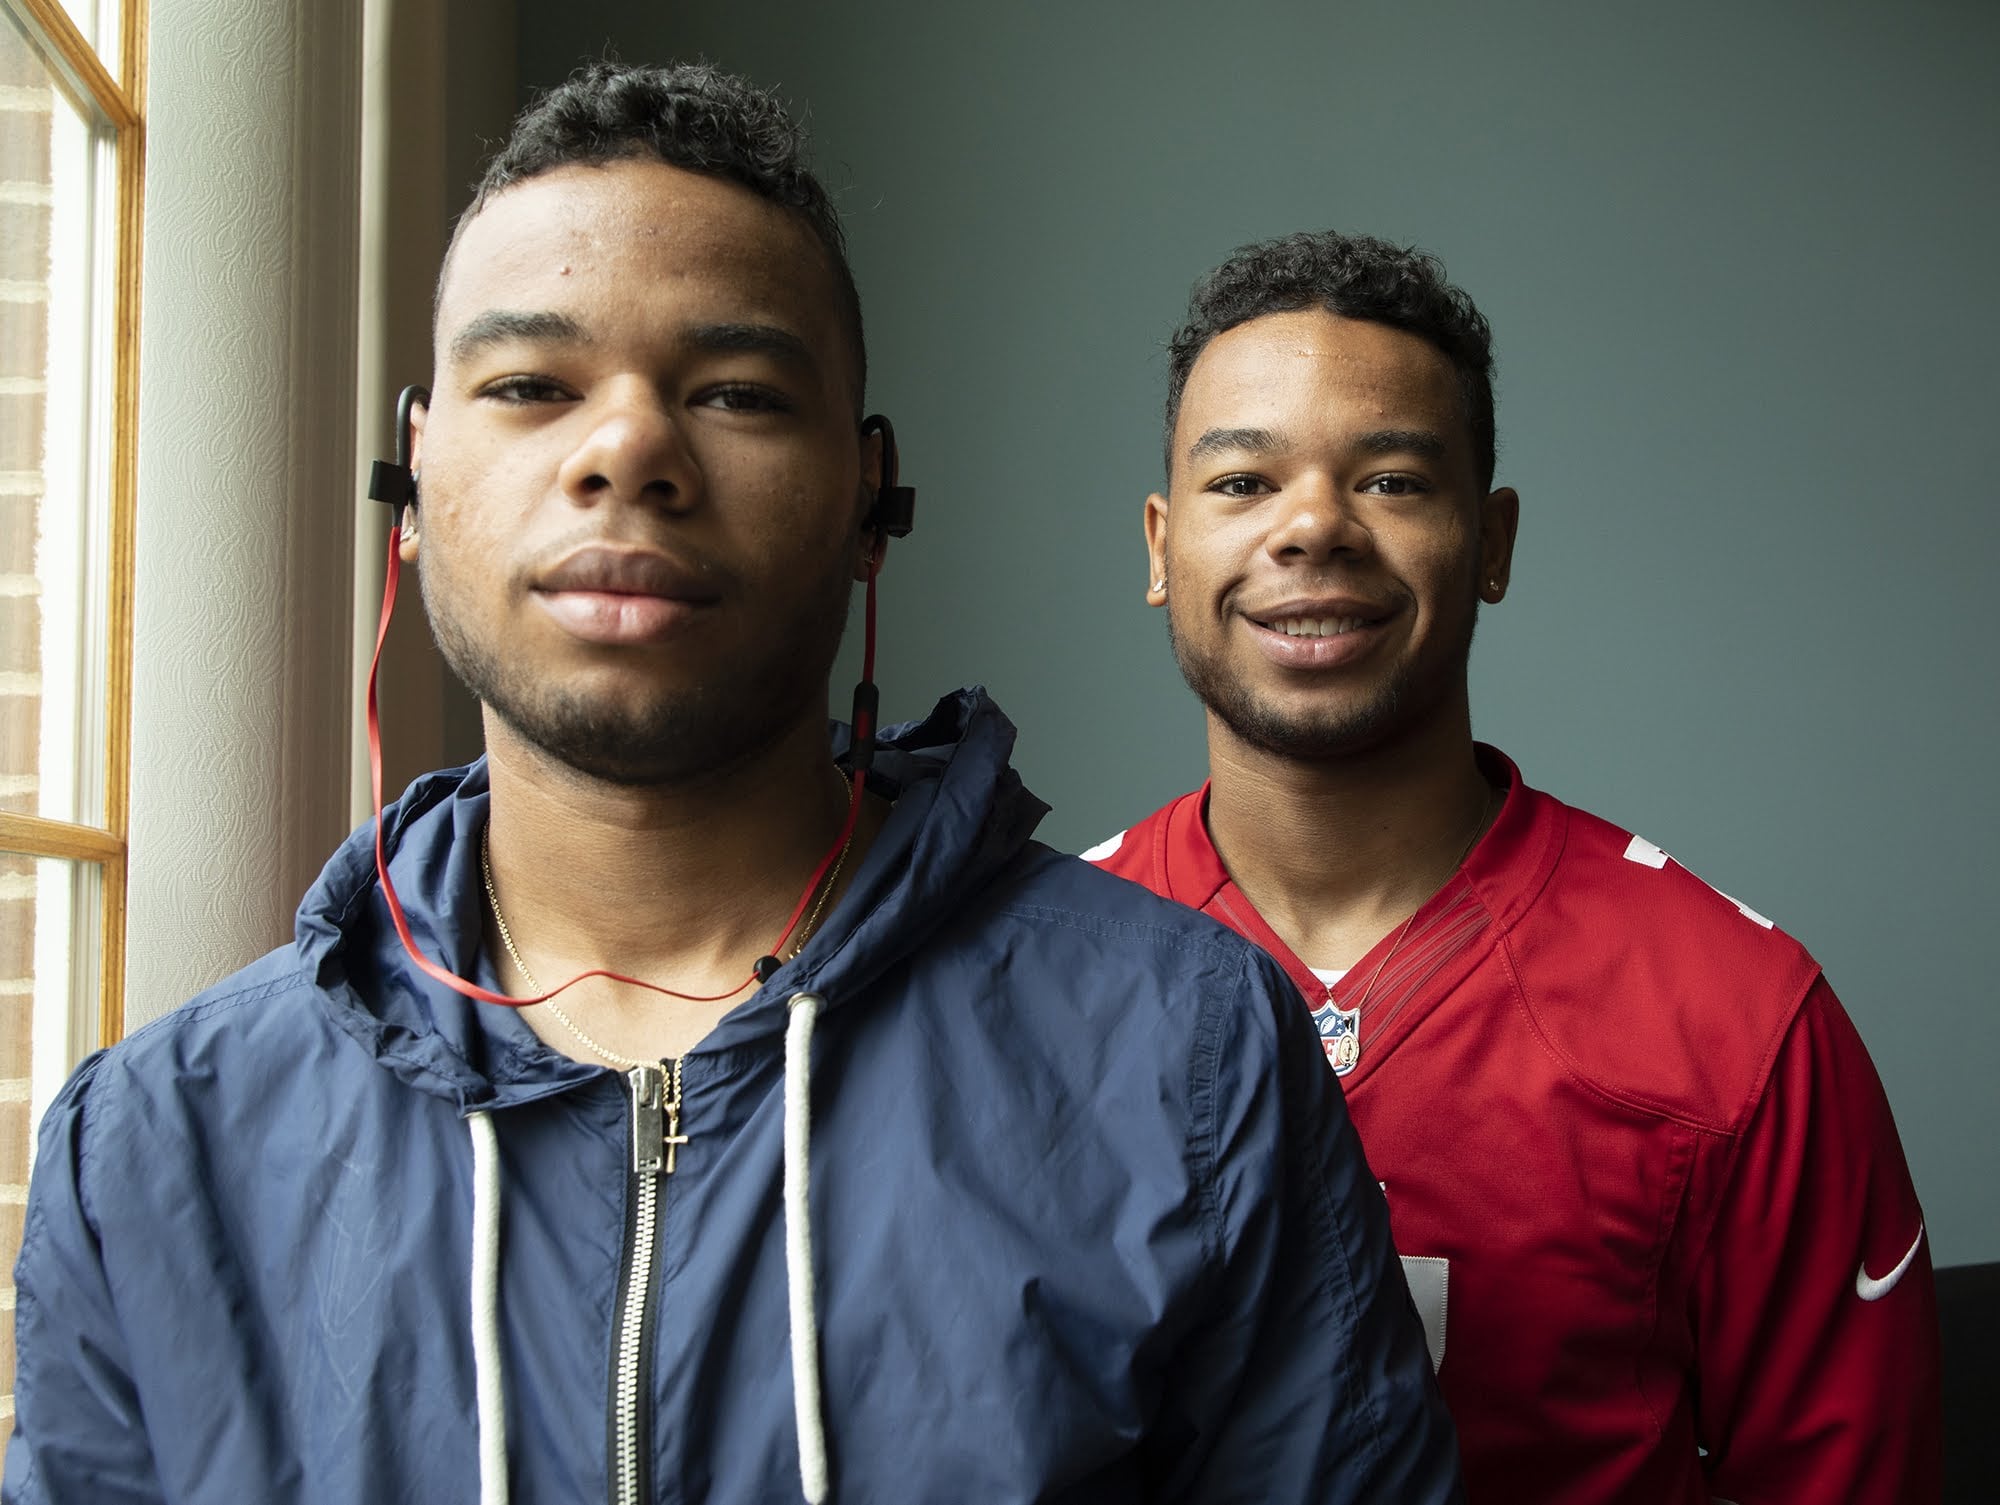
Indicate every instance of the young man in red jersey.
{"type": "Point", "coordinates": [1640, 1169]}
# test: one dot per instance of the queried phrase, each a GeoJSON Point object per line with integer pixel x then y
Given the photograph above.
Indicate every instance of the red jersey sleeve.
{"type": "Point", "coordinates": [1815, 1314]}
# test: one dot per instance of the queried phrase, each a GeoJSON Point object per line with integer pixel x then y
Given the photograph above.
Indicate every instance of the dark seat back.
{"type": "Point", "coordinates": [1969, 1314]}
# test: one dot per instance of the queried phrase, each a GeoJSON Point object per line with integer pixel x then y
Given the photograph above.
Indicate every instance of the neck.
{"type": "Point", "coordinates": [684, 886]}
{"type": "Point", "coordinates": [1335, 853]}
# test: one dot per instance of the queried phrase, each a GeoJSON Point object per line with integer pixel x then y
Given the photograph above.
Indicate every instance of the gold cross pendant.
{"type": "Point", "coordinates": [656, 1119]}
{"type": "Point", "coordinates": [673, 1139]}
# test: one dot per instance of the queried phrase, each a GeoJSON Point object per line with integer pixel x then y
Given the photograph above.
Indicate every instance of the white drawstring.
{"type": "Point", "coordinates": [489, 1378]}
{"type": "Point", "coordinates": [811, 1424]}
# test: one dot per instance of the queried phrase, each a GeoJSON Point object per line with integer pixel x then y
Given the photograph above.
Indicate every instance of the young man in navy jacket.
{"type": "Point", "coordinates": [877, 1153]}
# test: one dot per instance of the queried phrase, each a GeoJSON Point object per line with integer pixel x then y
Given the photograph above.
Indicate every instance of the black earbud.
{"type": "Point", "coordinates": [895, 506]}
{"type": "Point", "coordinates": [894, 510]}
{"type": "Point", "coordinates": [393, 481]}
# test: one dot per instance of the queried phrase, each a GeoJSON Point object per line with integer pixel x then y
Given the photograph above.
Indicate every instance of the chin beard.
{"type": "Point", "coordinates": [671, 737]}
{"type": "Point", "coordinates": [671, 741]}
{"type": "Point", "coordinates": [1316, 734]}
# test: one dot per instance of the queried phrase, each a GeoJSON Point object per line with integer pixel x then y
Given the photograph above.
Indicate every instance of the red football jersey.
{"type": "Point", "coordinates": [1642, 1173]}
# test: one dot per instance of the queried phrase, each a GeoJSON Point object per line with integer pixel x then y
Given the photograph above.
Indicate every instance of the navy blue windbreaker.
{"type": "Point", "coordinates": [1088, 1219]}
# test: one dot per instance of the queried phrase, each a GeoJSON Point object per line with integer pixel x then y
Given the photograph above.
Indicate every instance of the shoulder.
{"type": "Point", "coordinates": [1641, 899]}
{"type": "Point", "coordinates": [1129, 986]}
{"type": "Point", "coordinates": [242, 1037]}
{"type": "Point", "coordinates": [1628, 868]}
{"type": "Point", "coordinates": [1127, 852]}
{"type": "Point", "coordinates": [261, 1009]}
{"type": "Point", "coordinates": [1047, 888]}
{"type": "Point", "coordinates": [1142, 851]}
{"type": "Point", "coordinates": [1652, 984]}
{"type": "Point", "coordinates": [1081, 955]}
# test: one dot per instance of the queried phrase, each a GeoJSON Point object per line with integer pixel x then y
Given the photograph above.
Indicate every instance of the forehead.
{"type": "Point", "coordinates": [1311, 370]}
{"type": "Point", "coordinates": [635, 244]}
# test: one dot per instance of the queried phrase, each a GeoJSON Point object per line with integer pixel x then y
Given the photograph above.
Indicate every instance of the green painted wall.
{"type": "Point", "coordinates": [1740, 261]}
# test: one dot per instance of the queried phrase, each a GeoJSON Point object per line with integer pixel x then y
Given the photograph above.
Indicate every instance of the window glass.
{"type": "Point", "coordinates": [98, 21]}
{"type": "Point", "coordinates": [49, 929]}
{"type": "Point", "coordinates": [55, 179]}
{"type": "Point", "coordinates": [57, 239]}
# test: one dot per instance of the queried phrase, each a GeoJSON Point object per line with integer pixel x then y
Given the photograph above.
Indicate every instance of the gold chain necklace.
{"type": "Point", "coordinates": [1344, 1049]}
{"type": "Point", "coordinates": [514, 952]}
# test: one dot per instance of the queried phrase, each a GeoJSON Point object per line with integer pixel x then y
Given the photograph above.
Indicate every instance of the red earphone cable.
{"type": "Point", "coordinates": [483, 995]}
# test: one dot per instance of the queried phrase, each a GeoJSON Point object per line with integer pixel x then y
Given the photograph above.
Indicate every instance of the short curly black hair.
{"type": "Point", "coordinates": [1357, 277]}
{"type": "Point", "coordinates": [687, 115]}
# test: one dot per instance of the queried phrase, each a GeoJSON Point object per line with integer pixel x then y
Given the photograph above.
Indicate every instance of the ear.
{"type": "Point", "coordinates": [1156, 550]}
{"type": "Point", "coordinates": [874, 543]}
{"type": "Point", "coordinates": [419, 416]}
{"type": "Point", "coordinates": [1499, 517]}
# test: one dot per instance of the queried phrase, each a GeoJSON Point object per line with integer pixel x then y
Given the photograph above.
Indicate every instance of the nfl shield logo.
{"type": "Point", "coordinates": [1339, 1035]}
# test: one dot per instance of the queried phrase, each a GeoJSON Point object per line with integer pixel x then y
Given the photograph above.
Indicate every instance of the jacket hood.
{"type": "Point", "coordinates": [961, 815]}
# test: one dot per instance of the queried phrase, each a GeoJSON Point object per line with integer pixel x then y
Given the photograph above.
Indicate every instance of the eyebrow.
{"type": "Point", "coordinates": [503, 326]}
{"type": "Point", "coordinates": [1234, 441]}
{"type": "Point", "coordinates": [1424, 443]}
{"type": "Point", "coordinates": [752, 339]}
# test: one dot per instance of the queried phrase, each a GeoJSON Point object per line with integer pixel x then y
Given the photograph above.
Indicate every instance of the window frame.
{"type": "Point", "coordinates": [121, 102]}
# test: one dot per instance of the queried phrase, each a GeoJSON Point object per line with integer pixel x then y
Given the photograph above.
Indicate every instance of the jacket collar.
{"type": "Point", "coordinates": [961, 815]}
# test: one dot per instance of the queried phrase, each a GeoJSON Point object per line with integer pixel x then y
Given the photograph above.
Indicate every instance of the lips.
{"type": "Point", "coordinates": [623, 597]}
{"type": "Point", "coordinates": [1314, 627]}
{"type": "Point", "coordinates": [627, 572]}
{"type": "Point", "coordinates": [1319, 616]}
{"type": "Point", "coordinates": [1319, 633]}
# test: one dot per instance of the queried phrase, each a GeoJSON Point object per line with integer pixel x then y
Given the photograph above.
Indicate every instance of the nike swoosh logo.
{"type": "Point", "coordinates": [1868, 1288]}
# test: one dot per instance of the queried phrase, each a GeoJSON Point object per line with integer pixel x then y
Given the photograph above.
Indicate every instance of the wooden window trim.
{"type": "Point", "coordinates": [81, 59]}
{"type": "Point", "coordinates": [123, 105]}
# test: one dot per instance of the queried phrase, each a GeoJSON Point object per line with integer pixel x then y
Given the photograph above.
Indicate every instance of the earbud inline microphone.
{"type": "Point", "coordinates": [395, 483]}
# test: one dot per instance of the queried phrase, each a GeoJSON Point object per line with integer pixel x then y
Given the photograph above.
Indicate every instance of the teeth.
{"type": "Point", "coordinates": [1322, 627]}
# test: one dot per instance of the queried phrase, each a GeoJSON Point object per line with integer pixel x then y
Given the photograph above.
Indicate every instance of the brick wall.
{"type": "Point", "coordinates": [26, 103]}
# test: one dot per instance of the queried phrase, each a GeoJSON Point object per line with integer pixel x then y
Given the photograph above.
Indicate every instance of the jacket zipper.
{"type": "Point", "coordinates": [656, 1135]}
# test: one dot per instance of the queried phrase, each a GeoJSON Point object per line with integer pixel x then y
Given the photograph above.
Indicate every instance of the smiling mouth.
{"type": "Point", "coordinates": [1312, 627]}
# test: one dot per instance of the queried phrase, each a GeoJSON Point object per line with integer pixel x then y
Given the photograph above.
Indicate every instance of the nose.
{"type": "Point", "coordinates": [1315, 523]}
{"type": "Point", "coordinates": [630, 449]}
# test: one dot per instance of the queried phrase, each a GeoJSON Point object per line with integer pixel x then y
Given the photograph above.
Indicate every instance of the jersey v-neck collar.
{"type": "Point", "coordinates": [1499, 878]}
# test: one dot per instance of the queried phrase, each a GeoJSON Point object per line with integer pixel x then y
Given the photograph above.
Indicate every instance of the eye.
{"type": "Point", "coordinates": [745, 397]}
{"type": "Point", "coordinates": [1239, 485]}
{"type": "Point", "coordinates": [1396, 485]}
{"type": "Point", "coordinates": [524, 390]}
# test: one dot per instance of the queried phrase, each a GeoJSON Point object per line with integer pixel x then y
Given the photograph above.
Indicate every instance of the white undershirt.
{"type": "Point", "coordinates": [1329, 975]}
